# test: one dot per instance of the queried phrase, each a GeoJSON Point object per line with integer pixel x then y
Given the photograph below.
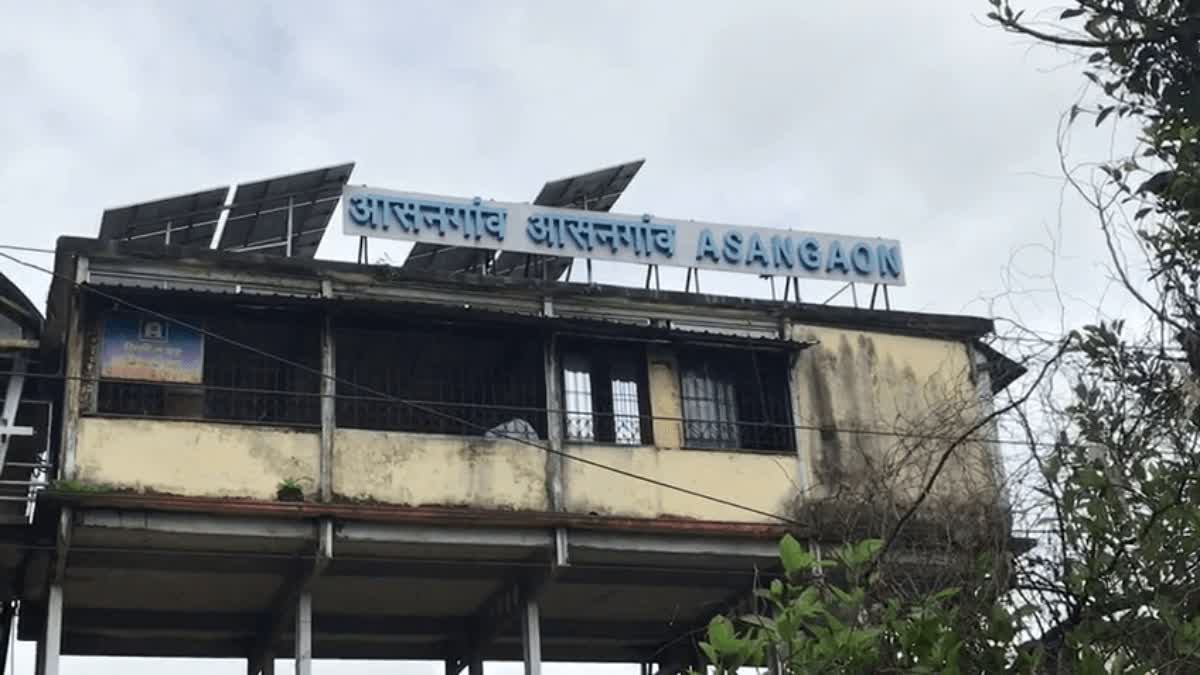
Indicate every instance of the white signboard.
{"type": "Point", "coordinates": [645, 239]}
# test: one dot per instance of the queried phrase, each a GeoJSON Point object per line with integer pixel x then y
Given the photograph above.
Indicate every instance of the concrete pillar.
{"type": "Point", "coordinates": [328, 408]}
{"type": "Point", "coordinates": [267, 668]}
{"type": "Point", "coordinates": [39, 658]}
{"type": "Point", "coordinates": [50, 646]}
{"type": "Point", "coordinates": [531, 637]}
{"type": "Point", "coordinates": [304, 634]}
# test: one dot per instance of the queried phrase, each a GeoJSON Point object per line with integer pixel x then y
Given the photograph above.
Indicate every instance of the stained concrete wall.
{"type": "Point", "coordinates": [199, 459]}
{"type": "Point", "coordinates": [860, 397]}
{"type": "Point", "coordinates": [759, 481]}
{"type": "Point", "coordinates": [431, 469]}
{"type": "Point", "coordinates": [878, 411]}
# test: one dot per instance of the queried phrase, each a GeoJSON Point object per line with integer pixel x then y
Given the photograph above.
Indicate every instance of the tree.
{"type": "Point", "coordinates": [1113, 585]}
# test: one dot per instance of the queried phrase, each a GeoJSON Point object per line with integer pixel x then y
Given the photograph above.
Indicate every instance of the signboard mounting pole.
{"type": "Point", "coordinates": [290, 227]}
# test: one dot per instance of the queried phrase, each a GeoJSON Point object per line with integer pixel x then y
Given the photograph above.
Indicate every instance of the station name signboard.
{"type": "Point", "coordinates": [539, 230]}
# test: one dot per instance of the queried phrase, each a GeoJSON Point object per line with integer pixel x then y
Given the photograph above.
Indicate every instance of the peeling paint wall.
{"type": "Point", "coordinates": [863, 398]}
{"type": "Point", "coordinates": [763, 482]}
{"type": "Point", "coordinates": [430, 469]}
{"type": "Point", "coordinates": [859, 398]}
{"type": "Point", "coordinates": [199, 459]}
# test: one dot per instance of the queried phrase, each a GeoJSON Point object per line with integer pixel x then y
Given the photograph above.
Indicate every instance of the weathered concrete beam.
{"type": "Point", "coordinates": [294, 600]}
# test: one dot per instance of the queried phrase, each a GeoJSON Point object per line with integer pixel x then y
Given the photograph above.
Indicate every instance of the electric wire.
{"type": "Point", "coordinates": [426, 409]}
{"type": "Point", "coordinates": [794, 426]}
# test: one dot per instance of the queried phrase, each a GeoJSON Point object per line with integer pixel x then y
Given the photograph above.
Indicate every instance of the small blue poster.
{"type": "Point", "coordinates": [144, 347]}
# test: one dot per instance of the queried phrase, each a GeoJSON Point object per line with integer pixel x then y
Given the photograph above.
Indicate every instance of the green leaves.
{"type": "Point", "coordinates": [729, 650]}
{"type": "Point", "coordinates": [794, 557]}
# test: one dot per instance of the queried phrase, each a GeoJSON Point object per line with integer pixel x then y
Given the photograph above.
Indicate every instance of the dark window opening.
{"type": "Point", "coordinates": [736, 399]}
{"type": "Point", "coordinates": [463, 380]}
{"type": "Point", "coordinates": [605, 394]}
{"type": "Point", "coordinates": [237, 384]}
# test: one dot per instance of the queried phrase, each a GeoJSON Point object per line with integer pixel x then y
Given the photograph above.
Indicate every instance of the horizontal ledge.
{"type": "Point", "coordinates": [415, 515]}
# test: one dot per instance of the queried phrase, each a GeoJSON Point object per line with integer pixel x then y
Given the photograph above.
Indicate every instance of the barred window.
{"type": "Point", "coordinates": [460, 379]}
{"type": "Point", "coordinates": [604, 393]}
{"type": "Point", "coordinates": [735, 399]}
{"type": "Point", "coordinates": [238, 384]}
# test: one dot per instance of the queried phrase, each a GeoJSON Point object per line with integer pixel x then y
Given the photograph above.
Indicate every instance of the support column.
{"type": "Point", "coordinates": [554, 422]}
{"type": "Point", "coordinates": [304, 634]}
{"type": "Point", "coordinates": [531, 637]}
{"type": "Point", "coordinates": [51, 642]}
{"type": "Point", "coordinates": [328, 421]}
{"type": "Point", "coordinates": [474, 667]}
{"type": "Point", "coordinates": [266, 668]}
{"type": "Point", "coordinates": [6, 623]}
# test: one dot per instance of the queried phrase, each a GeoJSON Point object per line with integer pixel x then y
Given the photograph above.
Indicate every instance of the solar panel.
{"type": "Point", "coordinates": [185, 220]}
{"type": "Point", "coordinates": [594, 191]}
{"type": "Point", "coordinates": [258, 218]}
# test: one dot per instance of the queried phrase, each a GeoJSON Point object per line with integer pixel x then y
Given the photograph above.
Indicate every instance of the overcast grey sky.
{"type": "Point", "coordinates": [909, 120]}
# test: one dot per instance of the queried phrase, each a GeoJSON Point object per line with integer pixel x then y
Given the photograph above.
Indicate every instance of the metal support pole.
{"type": "Point", "coordinates": [531, 637]}
{"type": "Point", "coordinates": [53, 637]}
{"type": "Point", "coordinates": [854, 294]}
{"type": "Point", "coordinates": [474, 667]}
{"type": "Point", "coordinates": [290, 228]}
{"type": "Point", "coordinates": [12, 402]}
{"type": "Point", "coordinates": [589, 269]}
{"type": "Point", "coordinates": [7, 614]}
{"type": "Point", "coordinates": [267, 667]}
{"type": "Point", "coordinates": [304, 634]}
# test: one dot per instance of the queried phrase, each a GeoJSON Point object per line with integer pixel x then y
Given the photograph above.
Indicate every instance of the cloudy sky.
{"type": "Point", "coordinates": [908, 120]}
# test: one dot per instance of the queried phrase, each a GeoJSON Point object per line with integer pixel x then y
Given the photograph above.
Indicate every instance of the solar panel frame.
{"type": "Point", "coordinates": [185, 220]}
{"type": "Point", "coordinates": [257, 220]}
{"type": "Point", "coordinates": [596, 190]}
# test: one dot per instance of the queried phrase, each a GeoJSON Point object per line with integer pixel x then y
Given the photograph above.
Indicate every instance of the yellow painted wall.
{"type": "Point", "coordinates": [764, 482]}
{"type": "Point", "coordinates": [857, 396]}
{"type": "Point", "coordinates": [199, 459]}
{"type": "Point", "coordinates": [869, 394]}
{"type": "Point", "coordinates": [430, 469]}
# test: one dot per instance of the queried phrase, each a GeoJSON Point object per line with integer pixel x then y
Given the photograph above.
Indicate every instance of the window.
{"type": "Point", "coordinates": [236, 384]}
{"type": "Point", "coordinates": [455, 378]}
{"type": "Point", "coordinates": [736, 399]}
{"type": "Point", "coordinates": [604, 397]}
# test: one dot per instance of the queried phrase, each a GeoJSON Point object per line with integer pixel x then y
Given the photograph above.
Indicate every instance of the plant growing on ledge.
{"type": "Point", "coordinates": [70, 485]}
{"type": "Point", "coordinates": [289, 490]}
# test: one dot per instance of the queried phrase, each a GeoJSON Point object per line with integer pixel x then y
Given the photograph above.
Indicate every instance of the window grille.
{"type": "Point", "coordinates": [457, 379]}
{"type": "Point", "coordinates": [736, 399]}
{"type": "Point", "coordinates": [238, 384]}
{"type": "Point", "coordinates": [604, 393]}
